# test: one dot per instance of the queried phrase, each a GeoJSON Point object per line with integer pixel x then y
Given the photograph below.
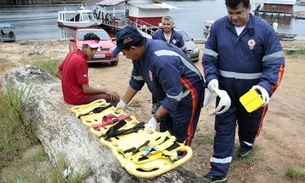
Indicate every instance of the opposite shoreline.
{"type": "Point", "coordinates": [196, 40]}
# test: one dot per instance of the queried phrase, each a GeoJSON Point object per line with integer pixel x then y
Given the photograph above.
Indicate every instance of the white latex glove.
{"type": "Point", "coordinates": [264, 93]}
{"type": "Point", "coordinates": [121, 105]}
{"type": "Point", "coordinates": [152, 123]}
{"type": "Point", "coordinates": [224, 102]}
{"type": "Point", "coordinates": [213, 85]}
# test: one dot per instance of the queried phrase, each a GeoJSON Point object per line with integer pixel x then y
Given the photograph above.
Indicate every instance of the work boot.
{"type": "Point", "coordinates": [215, 179]}
{"type": "Point", "coordinates": [242, 152]}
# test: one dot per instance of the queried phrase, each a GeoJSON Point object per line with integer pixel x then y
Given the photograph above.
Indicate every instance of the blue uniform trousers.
{"type": "Point", "coordinates": [183, 121]}
{"type": "Point", "coordinates": [249, 125]}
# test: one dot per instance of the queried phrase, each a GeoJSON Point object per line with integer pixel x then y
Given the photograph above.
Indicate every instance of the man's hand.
{"type": "Point", "coordinates": [152, 123]}
{"type": "Point", "coordinates": [264, 93]}
{"type": "Point", "coordinates": [121, 105]}
{"type": "Point", "coordinates": [112, 95]}
{"type": "Point", "coordinates": [213, 85]}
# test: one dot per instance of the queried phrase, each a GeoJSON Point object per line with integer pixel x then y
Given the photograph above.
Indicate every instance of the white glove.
{"type": "Point", "coordinates": [152, 123]}
{"type": "Point", "coordinates": [264, 93]}
{"type": "Point", "coordinates": [121, 105]}
{"type": "Point", "coordinates": [213, 85]}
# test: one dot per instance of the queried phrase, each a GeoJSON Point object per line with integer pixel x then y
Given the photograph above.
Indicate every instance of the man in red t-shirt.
{"type": "Point", "coordinates": [73, 72]}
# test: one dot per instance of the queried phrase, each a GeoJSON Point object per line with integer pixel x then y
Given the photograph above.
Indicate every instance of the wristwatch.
{"type": "Point", "coordinates": [157, 118]}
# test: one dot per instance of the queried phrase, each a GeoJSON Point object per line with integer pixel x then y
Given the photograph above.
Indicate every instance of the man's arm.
{"type": "Point", "coordinates": [129, 94]}
{"type": "Point", "coordinates": [91, 90]}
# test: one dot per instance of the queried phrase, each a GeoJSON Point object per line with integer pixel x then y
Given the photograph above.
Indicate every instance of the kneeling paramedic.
{"type": "Point", "coordinates": [170, 76]}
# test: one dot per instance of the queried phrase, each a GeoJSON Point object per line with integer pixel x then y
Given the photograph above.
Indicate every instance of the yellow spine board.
{"type": "Point", "coordinates": [143, 153]}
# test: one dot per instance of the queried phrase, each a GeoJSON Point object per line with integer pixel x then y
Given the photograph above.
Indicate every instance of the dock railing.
{"type": "Point", "coordinates": [143, 26]}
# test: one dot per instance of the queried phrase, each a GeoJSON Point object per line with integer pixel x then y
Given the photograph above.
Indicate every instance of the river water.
{"type": "Point", "coordinates": [39, 22]}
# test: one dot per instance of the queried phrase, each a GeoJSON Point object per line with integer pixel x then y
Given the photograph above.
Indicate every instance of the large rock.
{"type": "Point", "coordinates": [62, 133]}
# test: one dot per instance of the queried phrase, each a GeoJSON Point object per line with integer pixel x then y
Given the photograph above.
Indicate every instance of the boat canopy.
{"type": "Point", "coordinates": [6, 25]}
{"type": "Point", "coordinates": [110, 2]}
{"type": "Point", "coordinates": [153, 6]}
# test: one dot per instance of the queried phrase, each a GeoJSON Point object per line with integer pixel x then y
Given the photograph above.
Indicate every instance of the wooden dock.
{"type": "Point", "coordinates": [115, 27]}
{"type": "Point", "coordinates": [275, 8]}
{"type": "Point", "coordinates": [272, 13]}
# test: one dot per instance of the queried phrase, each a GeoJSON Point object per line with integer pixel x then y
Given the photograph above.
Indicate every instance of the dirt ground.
{"type": "Point", "coordinates": [280, 144]}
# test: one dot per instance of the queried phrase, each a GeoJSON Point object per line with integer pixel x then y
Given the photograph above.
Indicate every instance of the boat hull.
{"type": "Point", "coordinates": [284, 36]}
{"type": "Point", "coordinates": [78, 25]}
{"type": "Point", "coordinates": [81, 18]}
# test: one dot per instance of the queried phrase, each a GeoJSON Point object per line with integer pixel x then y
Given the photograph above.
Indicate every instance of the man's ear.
{"type": "Point", "coordinates": [84, 46]}
{"type": "Point", "coordinates": [132, 47]}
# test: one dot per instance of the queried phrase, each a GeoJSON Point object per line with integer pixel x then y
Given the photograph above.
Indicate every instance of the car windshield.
{"type": "Point", "coordinates": [184, 35]}
{"type": "Point", "coordinates": [103, 35]}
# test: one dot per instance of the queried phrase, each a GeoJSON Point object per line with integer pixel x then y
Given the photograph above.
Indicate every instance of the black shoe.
{"type": "Point", "coordinates": [154, 108]}
{"type": "Point", "coordinates": [243, 152]}
{"type": "Point", "coordinates": [215, 179]}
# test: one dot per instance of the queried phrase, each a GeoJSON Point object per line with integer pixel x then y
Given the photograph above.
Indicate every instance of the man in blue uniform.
{"type": "Point", "coordinates": [242, 52]}
{"type": "Point", "coordinates": [169, 35]}
{"type": "Point", "coordinates": [170, 76]}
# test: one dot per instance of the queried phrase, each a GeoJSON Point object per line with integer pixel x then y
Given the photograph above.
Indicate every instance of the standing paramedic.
{"type": "Point", "coordinates": [170, 76]}
{"type": "Point", "coordinates": [241, 52]}
{"type": "Point", "coordinates": [170, 36]}
{"type": "Point", "coordinates": [73, 72]}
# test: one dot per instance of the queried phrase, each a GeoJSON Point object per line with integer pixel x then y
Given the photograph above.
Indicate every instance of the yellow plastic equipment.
{"type": "Point", "coordinates": [251, 100]}
{"type": "Point", "coordinates": [143, 153]}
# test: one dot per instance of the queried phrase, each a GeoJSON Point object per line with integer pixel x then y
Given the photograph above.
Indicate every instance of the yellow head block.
{"type": "Point", "coordinates": [251, 100]}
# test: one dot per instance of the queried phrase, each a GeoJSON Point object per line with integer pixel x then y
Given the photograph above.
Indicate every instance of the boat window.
{"type": "Point", "coordinates": [71, 17]}
{"type": "Point", "coordinates": [87, 16]}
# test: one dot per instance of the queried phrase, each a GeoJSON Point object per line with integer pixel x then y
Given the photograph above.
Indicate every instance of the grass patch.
{"type": "Point", "coordinates": [295, 51]}
{"type": "Point", "coordinates": [22, 157]}
{"type": "Point", "coordinates": [16, 129]}
{"type": "Point", "coordinates": [269, 168]}
{"type": "Point", "coordinates": [50, 66]}
{"type": "Point", "coordinates": [209, 139]}
{"type": "Point", "coordinates": [295, 174]}
{"type": "Point", "coordinates": [250, 158]}
{"type": "Point", "coordinates": [300, 51]}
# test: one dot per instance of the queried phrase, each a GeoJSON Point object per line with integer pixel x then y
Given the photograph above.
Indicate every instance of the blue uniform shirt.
{"type": "Point", "coordinates": [254, 54]}
{"type": "Point", "coordinates": [167, 71]}
{"type": "Point", "coordinates": [175, 39]}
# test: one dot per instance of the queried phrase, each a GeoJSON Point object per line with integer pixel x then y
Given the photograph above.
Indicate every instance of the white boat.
{"type": "Point", "coordinates": [6, 33]}
{"type": "Point", "coordinates": [80, 18]}
{"type": "Point", "coordinates": [300, 2]}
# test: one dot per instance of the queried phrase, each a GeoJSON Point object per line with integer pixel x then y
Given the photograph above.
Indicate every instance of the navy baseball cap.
{"type": "Point", "coordinates": [127, 37]}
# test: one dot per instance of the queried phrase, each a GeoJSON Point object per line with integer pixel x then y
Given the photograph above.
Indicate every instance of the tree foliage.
{"type": "Point", "coordinates": [32, 2]}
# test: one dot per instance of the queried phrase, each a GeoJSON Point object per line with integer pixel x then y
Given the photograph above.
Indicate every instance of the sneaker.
{"type": "Point", "coordinates": [154, 108]}
{"type": "Point", "coordinates": [215, 179]}
{"type": "Point", "coordinates": [243, 152]}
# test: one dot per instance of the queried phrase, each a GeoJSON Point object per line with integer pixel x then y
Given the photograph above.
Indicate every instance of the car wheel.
{"type": "Point", "coordinates": [195, 60]}
{"type": "Point", "coordinates": [114, 63]}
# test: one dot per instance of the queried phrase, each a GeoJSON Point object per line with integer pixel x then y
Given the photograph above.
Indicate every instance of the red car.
{"type": "Point", "coordinates": [104, 53]}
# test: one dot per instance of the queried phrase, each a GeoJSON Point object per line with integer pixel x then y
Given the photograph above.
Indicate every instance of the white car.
{"type": "Point", "coordinates": [192, 49]}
